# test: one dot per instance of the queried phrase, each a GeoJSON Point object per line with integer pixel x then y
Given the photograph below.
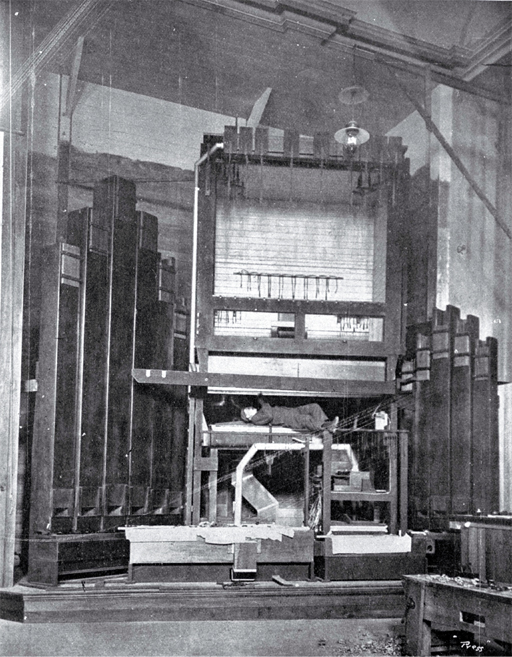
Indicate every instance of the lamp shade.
{"type": "Point", "coordinates": [352, 136]}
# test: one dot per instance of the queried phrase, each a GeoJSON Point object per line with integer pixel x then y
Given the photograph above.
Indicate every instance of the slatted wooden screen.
{"type": "Point", "coordinates": [294, 233]}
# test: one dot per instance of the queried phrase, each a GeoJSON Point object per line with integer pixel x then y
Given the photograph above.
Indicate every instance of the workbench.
{"type": "Point", "coordinates": [456, 605]}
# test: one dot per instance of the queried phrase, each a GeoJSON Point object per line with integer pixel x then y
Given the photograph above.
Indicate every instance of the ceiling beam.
{"type": "Point", "coordinates": [490, 51]}
{"type": "Point", "coordinates": [79, 20]}
{"type": "Point", "coordinates": [341, 30]}
{"type": "Point", "coordinates": [327, 21]}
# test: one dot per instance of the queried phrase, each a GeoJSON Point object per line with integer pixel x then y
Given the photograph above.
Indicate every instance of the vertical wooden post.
{"type": "Point", "coordinates": [13, 181]}
{"type": "Point", "coordinates": [326, 482]}
{"type": "Point", "coordinates": [404, 470]}
{"type": "Point", "coordinates": [189, 473]}
{"type": "Point", "coordinates": [12, 254]}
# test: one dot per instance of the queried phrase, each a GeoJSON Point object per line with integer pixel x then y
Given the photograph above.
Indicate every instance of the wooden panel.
{"type": "Point", "coordinates": [56, 556]}
{"type": "Point", "coordinates": [486, 548]}
{"type": "Point", "coordinates": [169, 552]}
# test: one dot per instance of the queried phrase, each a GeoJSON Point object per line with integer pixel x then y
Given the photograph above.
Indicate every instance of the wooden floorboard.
{"type": "Point", "coordinates": [119, 600]}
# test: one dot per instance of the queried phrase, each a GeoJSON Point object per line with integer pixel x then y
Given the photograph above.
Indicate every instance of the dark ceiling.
{"type": "Point", "coordinates": [221, 56]}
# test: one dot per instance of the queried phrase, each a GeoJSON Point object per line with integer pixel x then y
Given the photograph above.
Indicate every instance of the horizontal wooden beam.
{"type": "Point", "coordinates": [297, 306]}
{"type": "Point", "coordinates": [339, 387]}
{"type": "Point", "coordinates": [296, 347]}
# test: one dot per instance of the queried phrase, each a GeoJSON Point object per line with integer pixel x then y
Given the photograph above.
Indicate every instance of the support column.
{"type": "Point", "coordinates": [13, 181]}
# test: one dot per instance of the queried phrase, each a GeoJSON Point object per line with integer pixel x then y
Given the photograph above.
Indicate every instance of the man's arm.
{"type": "Point", "coordinates": [264, 415]}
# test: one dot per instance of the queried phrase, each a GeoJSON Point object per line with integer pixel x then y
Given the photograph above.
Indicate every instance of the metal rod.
{"type": "Point", "coordinates": [193, 303]}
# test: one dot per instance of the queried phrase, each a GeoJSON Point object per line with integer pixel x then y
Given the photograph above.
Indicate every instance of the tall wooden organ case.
{"type": "Point", "coordinates": [300, 285]}
{"type": "Point", "coordinates": [105, 450]}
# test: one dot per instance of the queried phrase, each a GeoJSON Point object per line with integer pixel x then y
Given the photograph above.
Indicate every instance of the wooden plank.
{"type": "Point", "coordinates": [44, 413]}
{"type": "Point", "coordinates": [461, 411]}
{"type": "Point", "coordinates": [67, 366]}
{"type": "Point", "coordinates": [327, 494]}
{"type": "Point", "coordinates": [204, 379]}
{"type": "Point", "coordinates": [291, 143]}
{"type": "Point", "coordinates": [115, 199]}
{"type": "Point", "coordinates": [245, 140]}
{"type": "Point", "coordinates": [180, 552]}
{"type": "Point", "coordinates": [259, 345]}
{"type": "Point", "coordinates": [144, 438]}
{"type": "Point", "coordinates": [265, 600]}
{"type": "Point", "coordinates": [260, 141]}
{"type": "Point", "coordinates": [168, 454]}
{"type": "Point", "coordinates": [392, 242]}
{"type": "Point", "coordinates": [485, 457]}
{"type": "Point", "coordinates": [196, 447]}
{"type": "Point", "coordinates": [443, 330]}
{"type": "Point", "coordinates": [367, 497]}
{"type": "Point", "coordinates": [321, 144]}
{"type": "Point", "coordinates": [94, 373]}
{"type": "Point", "coordinates": [403, 438]}
{"type": "Point", "coordinates": [205, 258]}
{"type": "Point", "coordinates": [392, 445]}
{"type": "Point", "coordinates": [420, 459]}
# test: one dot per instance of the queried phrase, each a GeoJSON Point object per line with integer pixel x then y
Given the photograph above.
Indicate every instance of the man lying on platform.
{"type": "Point", "coordinates": [306, 418]}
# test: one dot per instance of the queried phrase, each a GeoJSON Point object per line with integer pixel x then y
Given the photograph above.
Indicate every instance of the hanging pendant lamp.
{"type": "Point", "coordinates": [352, 136]}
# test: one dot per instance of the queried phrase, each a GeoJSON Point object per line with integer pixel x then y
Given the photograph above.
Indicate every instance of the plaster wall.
{"type": "Point", "coordinates": [153, 142]}
{"type": "Point", "coordinates": [505, 432]}
{"type": "Point", "coordinates": [472, 251]}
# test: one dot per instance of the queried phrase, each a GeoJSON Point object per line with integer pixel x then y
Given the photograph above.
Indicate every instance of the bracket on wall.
{"type": "Point", "coordinates": [258, 108]}
{"type": "Point", "coordinates": [73, 91]}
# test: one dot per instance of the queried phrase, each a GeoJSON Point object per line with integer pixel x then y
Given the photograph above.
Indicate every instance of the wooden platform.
{"type": "Point", "coordinates": [362, 562]}
{"type": "Point", "coordinates": [115, 599]}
